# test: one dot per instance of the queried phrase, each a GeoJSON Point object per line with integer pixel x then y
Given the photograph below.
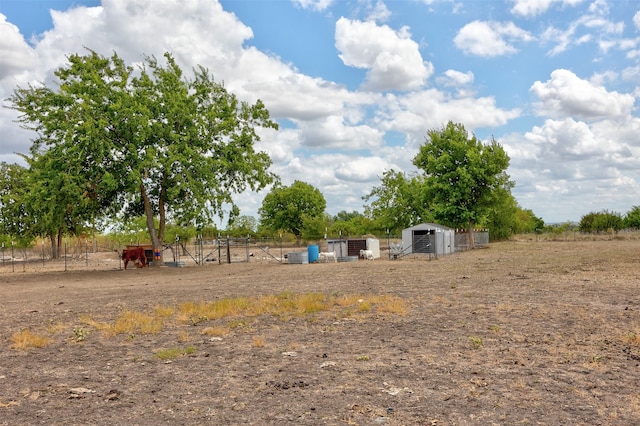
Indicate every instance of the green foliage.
{"type": "Point", "coordinates": [399, 202]}
{"type": "Point", "coordinates": [561, 228]}
{"type": "Point", "coordinates": [501, 215]}
{"type": "Point", "coordinates": [15, 212]}
{"type": "Point", "coordinates": [603, 221]}
{"type": "Point", "coordinates": [119, 142]}
{"type": "Point", "coordinates": [313, 228]}
{"type": "Point", "coordinates": [464, 178]}
{"type": "Point", "coordinates": [44, 200]}
{"type": "Point", "coordinates": [526, 222]}
{"type": "Point", "coordinates": [353, 224]}
{"type": "Point", "coordinates": [632, 218]}
{"type": "Point", "coordinates": [242, 225]}
{"type": "Point", "coordinates": [287, 207]}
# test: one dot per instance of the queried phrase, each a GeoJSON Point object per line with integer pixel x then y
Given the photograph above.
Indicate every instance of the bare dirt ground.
{"type": "Point", "coordinates": [542, 333]}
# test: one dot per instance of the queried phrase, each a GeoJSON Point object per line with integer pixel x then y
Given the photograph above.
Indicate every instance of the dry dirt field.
{"type": "Point", "coordinates": [533, 333]}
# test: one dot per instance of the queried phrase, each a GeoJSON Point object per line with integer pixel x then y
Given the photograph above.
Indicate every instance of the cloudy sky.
{"type": "Point", "coordinates": [356, 84]}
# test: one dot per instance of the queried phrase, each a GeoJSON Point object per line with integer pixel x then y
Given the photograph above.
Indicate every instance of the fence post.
{"type": "Point", "coordinates": [388, 245]}
{"type": "Point", "coordinates": [65, 257]}
{"type": "Point", "coordinates": [219, 250]}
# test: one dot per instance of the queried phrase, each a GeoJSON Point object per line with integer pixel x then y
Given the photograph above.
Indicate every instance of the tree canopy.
{"type": "Point", "coordinates": [464, 177]}
{"type": "Point", "coordinates": [145, 141]}
{"type": "Point", "coordinates": [287, 207]}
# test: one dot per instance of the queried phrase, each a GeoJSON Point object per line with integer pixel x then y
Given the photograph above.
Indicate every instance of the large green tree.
{"type": "Point", "coordinates": [148, 141]}
{"type": "Point", "coordinates": [465, 178]}
{"type": "Point", "coordinates": [287, 207]}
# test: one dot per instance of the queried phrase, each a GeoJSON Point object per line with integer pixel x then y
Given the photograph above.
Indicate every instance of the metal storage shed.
{"type": "Point", "coordinates": [428, 238]}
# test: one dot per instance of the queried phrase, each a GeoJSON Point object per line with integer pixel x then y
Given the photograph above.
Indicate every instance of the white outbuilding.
{"type": "Point", "coordinates": [428, 238]}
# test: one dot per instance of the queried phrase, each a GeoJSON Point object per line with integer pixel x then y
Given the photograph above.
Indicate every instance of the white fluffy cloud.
{"type": "Point", "coordinates": [430, 109]}
{"type": "Point", "coordinates": [392, 58]}
{"type": "Point", "coordinates": [529, 8]}
{"type": "Point", "coordinates": [362, 169]}
{"type": "Point", "coordinates": [17, 56]}
{"type": "Point", "coordinates": [489, 39]}
{"type": "Point", "coordinates": [567, 95]}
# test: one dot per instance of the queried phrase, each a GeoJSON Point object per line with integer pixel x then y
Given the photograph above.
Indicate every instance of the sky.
{"type": "Point", "coordinates": [356, 84]}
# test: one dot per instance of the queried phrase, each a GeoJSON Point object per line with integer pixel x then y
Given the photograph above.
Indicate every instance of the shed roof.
{"type": "Point", "coordinates": [425, 226]}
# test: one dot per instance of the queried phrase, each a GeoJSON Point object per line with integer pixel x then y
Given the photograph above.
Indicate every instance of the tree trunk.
{"type": "Point", "coordinates": [156, 241]}
{"type": "Point", "coordinates": [472, 242]}
{"type": "Point", "coordinates": [55, 249]}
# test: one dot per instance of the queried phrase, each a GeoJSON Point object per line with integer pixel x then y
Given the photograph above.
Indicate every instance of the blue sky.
{"type": "Point", "coordinates": [356, 84]}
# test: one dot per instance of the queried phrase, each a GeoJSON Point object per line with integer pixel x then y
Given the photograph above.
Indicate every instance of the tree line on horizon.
{"type": "Point", "coordinates": [147, 149]}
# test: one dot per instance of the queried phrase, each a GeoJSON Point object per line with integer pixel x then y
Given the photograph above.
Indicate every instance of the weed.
{"type": "Point", "coordinates": [79, 334]}
{"type": "Point", "coordinates": [363, 358]}
{"type": "Point", "coordinates": [197, 320]}
{"type": "Point", "coordinates": [364, 307]}
{"type": "Point", "coordinates": [173, 353]}
{"type": "Point", "coordinates": [26, 339]}
{"type": "Point", "coordinates": [476, 342]}
{"type": "Point", "coordinates": [237, 324]}
{"type": "Point", "coordinates": [632, 338]}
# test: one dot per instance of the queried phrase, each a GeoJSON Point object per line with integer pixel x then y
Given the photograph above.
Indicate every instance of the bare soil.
{"type": "Point", "coordinates": [544, 333]}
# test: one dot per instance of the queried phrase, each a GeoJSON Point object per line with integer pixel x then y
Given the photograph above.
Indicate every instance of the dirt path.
{"type": "Point", "coordinates": [519, 333]}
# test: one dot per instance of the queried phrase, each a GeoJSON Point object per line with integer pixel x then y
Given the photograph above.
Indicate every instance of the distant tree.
{"type": "Point", "coordinates": [526, 221]}
{"type": "Point", "coordinates": [352, 224]}
{"type": "Point", "coordinates": [606, 221]}
{"type": "Point", "coordinates": [464, 177]}
{"type": "Point", "coordinates": [586, 223]}
{"type": "Point", "coordinates": [398, 202]}
{"type": "Point", "coordinates": [287, 207]}
{"type": "Point", "coordinates": [313, 227]}
{"type": "Point", "coordinates": [632, 218]}
{"type": "Point", "coordinates": [43, 200]}
{"type": "Point", "coordinates": [242, 225]}
{"type": "Point", "coordinates": [16, 218]}
{"type": "Point", "coordinates": [603, 221]}
{"type": "Point", "coordinates": [501, 216]}
{"type": "Point", "coordinates": [148, 142]}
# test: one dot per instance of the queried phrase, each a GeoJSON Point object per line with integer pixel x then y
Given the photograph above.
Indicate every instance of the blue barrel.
{"type": "Point", "coordinates": [314, 253]}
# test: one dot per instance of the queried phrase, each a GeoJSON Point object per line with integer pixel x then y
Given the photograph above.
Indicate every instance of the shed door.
{"type": "Point", "coordinates": [354, 247]}
{"type": "Point", "coordinates": [423, 241]}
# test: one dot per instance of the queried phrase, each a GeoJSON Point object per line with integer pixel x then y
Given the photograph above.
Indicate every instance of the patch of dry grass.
{"type": "Point", "coordinates": [26, 339]}
{"type": "Point", "coordinates": [238, 312]}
